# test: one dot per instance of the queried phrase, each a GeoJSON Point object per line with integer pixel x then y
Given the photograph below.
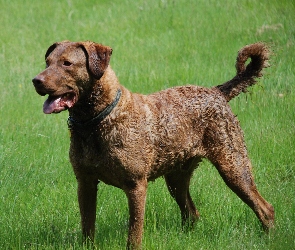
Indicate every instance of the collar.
{"type": "Point", "coordinates": [97, 119]}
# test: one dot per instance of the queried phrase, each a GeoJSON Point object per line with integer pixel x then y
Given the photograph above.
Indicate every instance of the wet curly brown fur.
{"type": "Point", "coordinates": [126, 139]}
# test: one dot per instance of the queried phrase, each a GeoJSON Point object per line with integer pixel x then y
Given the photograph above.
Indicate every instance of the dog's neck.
{"type": "Point", "coordinates": [98, 101]}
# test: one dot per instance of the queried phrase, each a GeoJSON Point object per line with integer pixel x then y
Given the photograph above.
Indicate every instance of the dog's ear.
{"type": "Point", "coordinates": [50, 49]}
{"type": "Point", "coordinates": [98, 57]}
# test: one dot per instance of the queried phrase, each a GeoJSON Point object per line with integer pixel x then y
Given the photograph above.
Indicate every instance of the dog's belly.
{"type": "Point", "coordinates": [118, 164]}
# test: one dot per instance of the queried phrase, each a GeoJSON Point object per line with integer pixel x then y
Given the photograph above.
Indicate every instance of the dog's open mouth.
{"type": "Point", "coordinates": [56, 104]}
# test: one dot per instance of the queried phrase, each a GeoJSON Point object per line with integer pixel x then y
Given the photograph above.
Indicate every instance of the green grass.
{"type": "Point", "coordinates": [156, 44]}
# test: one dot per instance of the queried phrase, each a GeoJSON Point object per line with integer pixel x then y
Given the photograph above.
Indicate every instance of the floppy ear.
{"type": "Point", "coordinates": [98, 57]}
{"type": "Point", "coordinates": [50, 49]}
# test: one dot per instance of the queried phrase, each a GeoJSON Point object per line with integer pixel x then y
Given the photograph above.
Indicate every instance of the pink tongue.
{"type": "Point", "coordinates": [53, 105]}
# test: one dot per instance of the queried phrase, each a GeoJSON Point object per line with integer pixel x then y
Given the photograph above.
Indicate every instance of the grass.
{"type": "Point", "coordinates": [157, 44]}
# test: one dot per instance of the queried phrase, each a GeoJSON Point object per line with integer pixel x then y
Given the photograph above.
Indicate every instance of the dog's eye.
{"type": "Point", "coordinates": [67, 63]}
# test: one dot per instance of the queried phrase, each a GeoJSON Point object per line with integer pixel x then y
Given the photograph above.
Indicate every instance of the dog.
{"type": "Point", "coordinates": [126, 139]}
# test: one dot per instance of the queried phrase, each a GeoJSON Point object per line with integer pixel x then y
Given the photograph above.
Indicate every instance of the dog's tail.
{"type": "Point", "coordinates": [246, 75]}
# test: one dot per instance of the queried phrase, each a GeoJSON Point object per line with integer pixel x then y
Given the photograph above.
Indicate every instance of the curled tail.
{"type": "Point", "coordinates": [246, 75]}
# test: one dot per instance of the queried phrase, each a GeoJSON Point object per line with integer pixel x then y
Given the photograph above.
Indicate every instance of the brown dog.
{"type": "Point", "coordinates": [126, 139]}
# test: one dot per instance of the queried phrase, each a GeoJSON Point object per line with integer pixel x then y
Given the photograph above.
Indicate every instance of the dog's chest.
{"type": "Point", "coordinates": [90, 156]}
{"type": "Point", "coordinates": [86, 152]}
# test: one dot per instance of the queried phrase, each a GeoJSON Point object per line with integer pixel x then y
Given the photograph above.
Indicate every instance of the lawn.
{"type": "Point", "coordinates": [156, 44]}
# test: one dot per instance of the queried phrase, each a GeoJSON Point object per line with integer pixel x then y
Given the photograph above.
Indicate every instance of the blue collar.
{"type": "Point", "coordinates": [72, 123]}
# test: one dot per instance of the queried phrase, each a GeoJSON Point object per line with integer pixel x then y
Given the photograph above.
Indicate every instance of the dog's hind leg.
{"type": "Point", "coordinates": [178, 185]}
{"type": "Point", "coordinates": [231, 160]}
{"type": "Point", "coordinates": [240, 180]}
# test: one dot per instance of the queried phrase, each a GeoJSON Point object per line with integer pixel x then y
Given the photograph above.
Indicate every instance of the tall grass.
{"type": "Point", "coordinates": [157, 44]}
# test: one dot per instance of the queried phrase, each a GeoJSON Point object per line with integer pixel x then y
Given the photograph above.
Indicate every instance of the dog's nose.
{"type": "Point", "coordinates": [38, 80]}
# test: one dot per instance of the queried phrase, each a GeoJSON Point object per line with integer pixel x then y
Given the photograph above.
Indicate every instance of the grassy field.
{"type": "Point", "coordinates": [156, 44]}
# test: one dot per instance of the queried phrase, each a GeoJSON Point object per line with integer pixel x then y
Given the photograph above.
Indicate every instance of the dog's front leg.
{"type": "Point", "coordinates": [136, 194]}
{"type": "Point", "coordinates": [87, 191]}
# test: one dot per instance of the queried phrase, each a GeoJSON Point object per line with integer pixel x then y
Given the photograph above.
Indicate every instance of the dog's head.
{"type": "Point", "coordinates": [71, 69]}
